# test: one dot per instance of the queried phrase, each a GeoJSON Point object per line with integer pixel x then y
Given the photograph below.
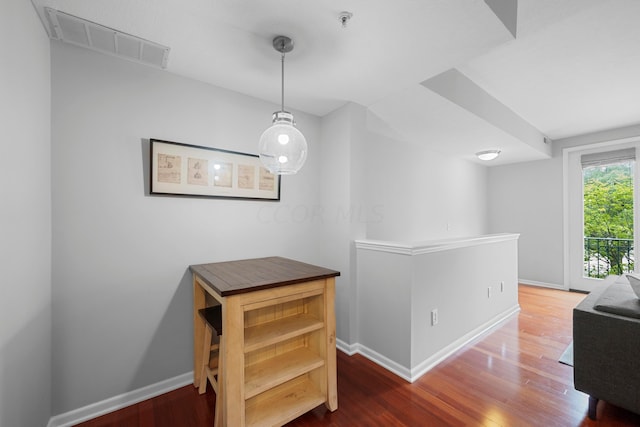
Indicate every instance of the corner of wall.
{"type": "Point", "coordinates": [25, 220]}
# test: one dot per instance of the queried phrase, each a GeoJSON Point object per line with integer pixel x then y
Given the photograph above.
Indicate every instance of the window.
{"type": "Point", "coordinates": [600, 223]}
{"type": "Point", "coordinates": [607, 183]}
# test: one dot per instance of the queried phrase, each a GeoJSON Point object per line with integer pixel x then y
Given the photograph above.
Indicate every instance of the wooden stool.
{"type": "Point", "coordinates": [211, 360]}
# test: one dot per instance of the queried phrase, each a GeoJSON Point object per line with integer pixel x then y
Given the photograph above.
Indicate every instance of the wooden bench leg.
{"type": "Point", "coordinates": [593, 406]}
{"type": "Point", "coordinates": [206, 352]}
{"type": "Point", "coordinates": [219, 417]}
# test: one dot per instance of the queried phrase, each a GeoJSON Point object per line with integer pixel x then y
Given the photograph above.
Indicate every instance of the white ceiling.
{"type": "Point", "coordinates": [573, 68]}
{"type": "Point", "coordinates": [579, 74]}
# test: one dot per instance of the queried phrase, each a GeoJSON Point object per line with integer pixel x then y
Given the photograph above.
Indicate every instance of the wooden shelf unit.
{"type": "Point", "coordinates": [284, 358]}
{"type": "Point", "coordinates": [279, 342]}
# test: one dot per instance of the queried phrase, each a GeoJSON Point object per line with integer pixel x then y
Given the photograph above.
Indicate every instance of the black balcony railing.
{"type": "Point", "coordinates": [607, 255]}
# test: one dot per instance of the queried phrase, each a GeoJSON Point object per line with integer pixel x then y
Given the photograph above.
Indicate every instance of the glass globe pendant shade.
{"type": "Point", "coordinates": [282, 147]}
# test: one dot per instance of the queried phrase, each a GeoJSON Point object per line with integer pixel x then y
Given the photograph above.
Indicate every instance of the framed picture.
{"type": "Point", "coordinates": [191, 170]}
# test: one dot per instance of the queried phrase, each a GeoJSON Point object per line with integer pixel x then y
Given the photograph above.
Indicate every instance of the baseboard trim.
{"type": "Point", "coordinates": [388, 364]}
{"type": "Point", "coordinates": [413, 374]}
{"type": "Point", "coordinates": [541, 284]}
{"type": "Point", "coordinates": [123, 400]}
{"type": "Point", "coordinates": [349, 349]}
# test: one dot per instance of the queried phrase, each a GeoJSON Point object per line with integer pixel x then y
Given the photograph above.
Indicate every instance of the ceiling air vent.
{"type": "Point", "coordinates": [78, 31]}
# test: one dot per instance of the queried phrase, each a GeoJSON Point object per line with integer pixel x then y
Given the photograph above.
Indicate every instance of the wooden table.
{"type": "Point", "coordinates": [279, 357]}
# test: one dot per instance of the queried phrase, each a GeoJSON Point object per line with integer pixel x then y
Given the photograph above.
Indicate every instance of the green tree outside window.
{"type": "Point", "coordinates": [608, 219]}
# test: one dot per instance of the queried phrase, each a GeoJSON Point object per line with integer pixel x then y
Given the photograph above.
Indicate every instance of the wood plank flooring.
{"type": "Point", "coordinates": [508, 377]}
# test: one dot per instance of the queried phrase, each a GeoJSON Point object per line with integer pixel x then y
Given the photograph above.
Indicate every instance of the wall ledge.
{"type": "Point", "coordinates": [426, 247]}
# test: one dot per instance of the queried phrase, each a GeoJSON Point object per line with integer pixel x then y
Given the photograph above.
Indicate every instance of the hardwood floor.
{"type": "Point", "coordinates": [508, 377]}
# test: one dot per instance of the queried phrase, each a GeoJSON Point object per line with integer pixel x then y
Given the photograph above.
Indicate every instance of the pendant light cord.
{"type": "Point", "coordinates": [282, 94]}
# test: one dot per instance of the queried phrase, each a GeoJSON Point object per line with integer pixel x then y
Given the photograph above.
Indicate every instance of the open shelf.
{"type": "Point", "coordinates": [279, 369]}
{"type": "Point", "coordinates": [283, 403]}
{"type": "Point", "coordinates": [259, 336]}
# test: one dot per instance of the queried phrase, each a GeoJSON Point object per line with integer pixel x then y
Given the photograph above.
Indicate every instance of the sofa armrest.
{"type": "Point", "coordinates": [606, 354]}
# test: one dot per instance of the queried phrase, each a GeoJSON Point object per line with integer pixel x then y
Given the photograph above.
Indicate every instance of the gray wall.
{"type": "Point", "coordinates": [526, 198]}
{"type": "Point", "coordinates": [344, 213]}
{"type": "Point", "coordinates": [25, 218]}
{"type": "Point", "coordinates": [378, 188]}
{"type": "Point", "coordinates": [122, 292]}
{"type": "Point", "coordinates": [334, 219]}
{"type": "Point", "coordinates": [416, 194]}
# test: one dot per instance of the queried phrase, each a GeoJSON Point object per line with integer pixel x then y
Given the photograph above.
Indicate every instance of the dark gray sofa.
{"type": "Point", "coordinates": [606, 347]}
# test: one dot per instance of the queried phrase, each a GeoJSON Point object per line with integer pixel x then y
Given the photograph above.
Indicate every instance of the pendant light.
{"type": "Point", "coordinates": [282, 147]}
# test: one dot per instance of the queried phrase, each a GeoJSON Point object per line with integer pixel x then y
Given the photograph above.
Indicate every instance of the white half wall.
{"type": "Point", "coordinates": [456, 282]}
{"type": "Point", "coordinates": [122, 292]}
{"type": "Point", "coordinates": [472, 283]}
{"type": "Point", "coordinates": [385, 283]}
{"type": "Point", "coordinates": [25, 218]}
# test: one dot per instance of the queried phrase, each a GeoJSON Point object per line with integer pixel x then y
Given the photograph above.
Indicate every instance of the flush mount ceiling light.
{"type": "Point", "coordinates": [282, 147]}
{"type": "Point", "coordinates": [487, 154]}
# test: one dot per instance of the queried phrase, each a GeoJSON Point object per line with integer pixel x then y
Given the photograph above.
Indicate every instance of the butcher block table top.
{"type": "Point", "coordinates": [249, 275]}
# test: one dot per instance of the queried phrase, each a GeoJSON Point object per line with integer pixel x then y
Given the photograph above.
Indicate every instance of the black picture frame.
{"type": "Point", "coordinates": [179, 169]}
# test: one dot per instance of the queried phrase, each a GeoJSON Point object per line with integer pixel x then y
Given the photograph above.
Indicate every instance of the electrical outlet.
{"type": "Point", "coordinates": [502, 286]}
{"type": "Point", "coordinates": [489, 292]}
{"type": "Point", "coordinates": [434, 317]}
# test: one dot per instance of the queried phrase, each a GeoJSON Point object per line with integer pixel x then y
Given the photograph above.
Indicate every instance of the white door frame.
{"type": "Point", "coordinates": [573, 209]}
